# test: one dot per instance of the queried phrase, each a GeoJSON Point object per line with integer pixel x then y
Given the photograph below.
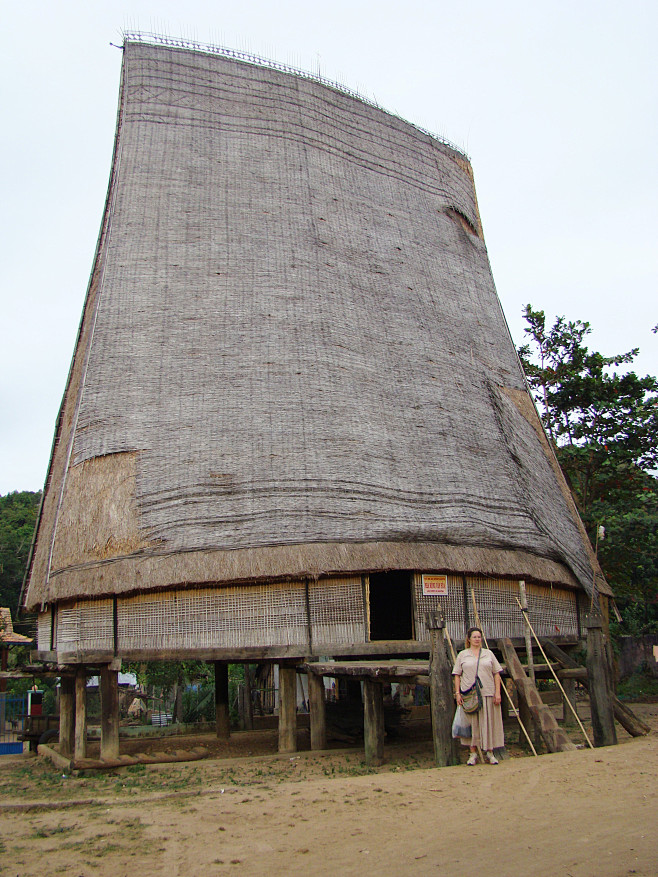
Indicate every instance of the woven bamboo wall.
{"type": "Point", "coordinates": [337, 611]}
{"type": "Point", "coordinates": [44, 630]}
{"type": "Point", "coordinates": [552, 611]}
{"type": "Point", "coordinates": [452, 606]}
{"type": "Point", "coordinates": [238, 617]}
{"type": "Point", "coordinates": [281, 614]}
{"type": "Point", "coordinates": [85, 624]}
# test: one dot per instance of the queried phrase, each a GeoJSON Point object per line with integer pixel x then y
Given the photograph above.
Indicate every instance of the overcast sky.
{"type": "Point", "coordinates": [556, 104]}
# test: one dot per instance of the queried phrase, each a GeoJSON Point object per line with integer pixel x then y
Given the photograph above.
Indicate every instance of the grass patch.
{"type": "Point", "coordinates": [50, 832]}
{"type": "Point", "coordinates": [640, 686]}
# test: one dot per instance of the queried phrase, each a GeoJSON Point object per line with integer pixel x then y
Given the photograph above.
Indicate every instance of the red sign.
{"type": "Point", "coordinates": [435, 586]}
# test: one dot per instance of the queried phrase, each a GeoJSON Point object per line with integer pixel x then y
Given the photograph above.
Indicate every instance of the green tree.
{"type": "Point", "coordinates": [18, 514]}
{"type": "Point", "coordinates": [602, 419]}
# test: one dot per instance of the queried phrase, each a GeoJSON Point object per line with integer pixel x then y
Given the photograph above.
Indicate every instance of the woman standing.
{"type": "Point", "coordinates": [487, 723]}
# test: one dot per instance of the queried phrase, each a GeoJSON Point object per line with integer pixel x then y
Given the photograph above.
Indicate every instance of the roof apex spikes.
{"type": "Point", "coordinates": [154, 39]}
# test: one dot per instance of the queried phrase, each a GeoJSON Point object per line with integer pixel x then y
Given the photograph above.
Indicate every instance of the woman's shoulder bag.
{"type": "Point", "coordinates": [472, 697]}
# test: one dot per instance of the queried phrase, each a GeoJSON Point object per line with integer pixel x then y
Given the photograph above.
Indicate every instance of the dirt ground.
{"type": "Point", "coordinates": [578, 814]}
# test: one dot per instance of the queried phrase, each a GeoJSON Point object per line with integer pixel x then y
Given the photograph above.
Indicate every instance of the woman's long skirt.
{"type": "Point", "coordinates": [486, 727]}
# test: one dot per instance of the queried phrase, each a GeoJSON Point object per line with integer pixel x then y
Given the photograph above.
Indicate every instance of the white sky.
{"type": "Point", "coordinates": [556, 104]}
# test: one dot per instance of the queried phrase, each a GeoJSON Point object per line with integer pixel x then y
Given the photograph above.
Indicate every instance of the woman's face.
{"type": "Point", "coordinates": [476, 639]}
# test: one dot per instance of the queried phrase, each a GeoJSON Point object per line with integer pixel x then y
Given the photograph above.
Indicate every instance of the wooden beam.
{"type": "Point", "coordinates": [600, 685]}
{"type": "Point", "coordinates": [222, 715]}
{"type": "Point", "coordinates": [80, 743]}
{"type": "Point", "coordinates": [109, 689]}
{"type": "Point", "coordinates": [383, 669]}
{"type": "Point", "coordinates": [575, 674]}
{"type": "Point", "coordinates": [373, 722]}
{"type": "Point", "coordinates": [287, 708]}
{"type": "Point", "coordinates": [318, 715]}
{"type": "Point", "coordinates": [554, 737]}
{"type": "Point", "coordinates": [623, 714]}
{"type": "Point", "coordinates": [67, 716]}
{"type": "Point", "coordinates": [255, 654]}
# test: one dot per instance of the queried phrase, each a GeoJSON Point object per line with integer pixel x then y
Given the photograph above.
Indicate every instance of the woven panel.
{"type": "Point", "coordinates": [44, 630]}
{"type": "Point", "coordinates": [497, 608]}
{"type": "Point", "coordinates": [452, 606]}
{"type": "Point", "coordinates": [337, 611]}
{"type": "Point", "coordinates": [552, 611]}
{"type": "Point", "coordinates": [257, 615]}
{"type": "Point", "coordinates": [276, 615]}
{"type": "Point", "coordinates": [68, 627]}
{"type": "Point", "coordinates": [96, 624]}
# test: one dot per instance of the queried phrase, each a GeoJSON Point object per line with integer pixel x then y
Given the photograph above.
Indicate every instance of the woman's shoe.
{"type": "Point", "coordinates": [472, 759]}
{"type": "Point", "coordinates": [491, 758]}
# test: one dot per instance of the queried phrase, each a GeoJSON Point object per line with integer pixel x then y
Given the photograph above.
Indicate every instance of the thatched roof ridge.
{"type": "Point", "coordinates": [292, 356]}
{"type": "Point", "coordinates": [8, 637]}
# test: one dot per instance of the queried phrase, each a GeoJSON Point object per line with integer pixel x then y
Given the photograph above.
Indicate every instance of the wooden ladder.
{"type": "Point", "coordinates": [553, 736]}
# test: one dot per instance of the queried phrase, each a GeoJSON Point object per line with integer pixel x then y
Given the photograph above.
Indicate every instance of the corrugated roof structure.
{"type": "Point", "coordinates": [292, 359]}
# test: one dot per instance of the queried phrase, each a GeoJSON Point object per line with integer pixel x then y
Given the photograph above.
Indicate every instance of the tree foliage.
{"type": "Point", "coordinates": [18, 514]}
{"type": "Point", "coordinates": [602, 419]}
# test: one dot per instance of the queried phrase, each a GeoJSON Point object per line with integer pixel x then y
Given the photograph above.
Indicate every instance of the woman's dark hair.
{"type": "Point", "coordinates": [468, 635]}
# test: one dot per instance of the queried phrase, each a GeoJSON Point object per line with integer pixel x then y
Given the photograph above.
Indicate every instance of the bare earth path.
{"type": "Point", "coordinates": [577, 814]}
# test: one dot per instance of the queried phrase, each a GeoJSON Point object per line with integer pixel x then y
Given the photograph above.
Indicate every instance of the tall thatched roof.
{"type": "Point", "coordinates": [292, 357]}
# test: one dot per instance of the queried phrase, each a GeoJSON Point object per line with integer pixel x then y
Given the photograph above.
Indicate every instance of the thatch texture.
{"type": "Point", "coordinates": [292, 360]}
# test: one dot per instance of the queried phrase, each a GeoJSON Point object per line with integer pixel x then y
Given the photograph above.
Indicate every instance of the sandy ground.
{"type": "Point", "coordinates": [579, 814]}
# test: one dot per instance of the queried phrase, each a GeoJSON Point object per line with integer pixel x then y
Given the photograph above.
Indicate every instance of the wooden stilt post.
{"type": "Point", "coordinates": [80, 742]}
{"type": "Point", "coordinates": [67, 716]}
{"type": "Point", "coordinates": [287, 708]}
{"type": "Point", "coordinates": [528, 637]}
{"type": "Point", "coordinates": [600, 687]}
{"type": "Point", "coordinates": [249, 700]}
{"type": "Point", "coordinates": [505, 701]}
{"type": "Point", "coordinates": [626, 718]}
{"type": "Point", "coordinates": [222, 716]}
{"type": "Point", "coordinates": [109, 688]}
{"type": "Point", "coordinates": [442, 702]}
{"type": "Point", "coordinates": [317, 710]}
{"type": "Point", "coordinates": [373, 721]}
{"type": "Point", "coordinates": [525, 719]}
{"type": "Point", "coordinates": [569, 706]}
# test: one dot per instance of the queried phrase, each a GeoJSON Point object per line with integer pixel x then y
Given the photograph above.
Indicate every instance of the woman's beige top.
{"type": "Point", "coordinates": [466, 664]}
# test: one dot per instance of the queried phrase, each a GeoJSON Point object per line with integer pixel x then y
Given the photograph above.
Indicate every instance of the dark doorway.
{"type": "Point", "coordinates": [390, 606]}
